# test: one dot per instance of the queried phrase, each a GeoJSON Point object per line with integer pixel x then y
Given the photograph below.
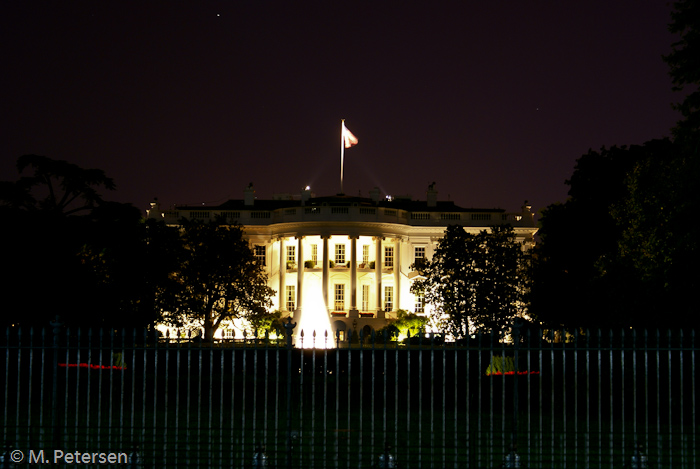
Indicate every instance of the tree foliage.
{"type": "Point", "coordinates": [262, 323]}
{"type": "Point", "coordinates": [684, 65]}
{"type": "Point", "coordinates": [474, 282]}
{"type": "Point", "coordinates": [88, 269]}
{"type": "Point", "coordinates": [660, 232]}
{"type": "Point", "coordinates": [127, 264]}
{"type": "Point", "coordinates": [406, 323]}
{"type": "Point", "coordinates": [578, 238]}
{"type": "Point", "coordinates": [55, 186]}
{"type": "Point", "coordinates": [621, 250]}
{"type": "Point", "coordinates": [217, 278]}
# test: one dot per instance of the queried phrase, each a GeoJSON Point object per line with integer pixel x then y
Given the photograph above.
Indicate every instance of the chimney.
{"type": "Point", "coordinates": [154, 211]}
{"type": "Point", "coordinates": [527, 212]}
{"type": "Point", "coordinates": [305, 195]}
{"type": "Point", "coordinates": [249, 195]}
{"type": "Point", "coordinates": [432, 195]}
{"type": "Point", "coordinates": [374, 195]}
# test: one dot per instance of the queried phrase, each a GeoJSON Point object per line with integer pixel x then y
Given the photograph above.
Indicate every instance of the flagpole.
{"type": "Point", "coordinates": [342, 153]}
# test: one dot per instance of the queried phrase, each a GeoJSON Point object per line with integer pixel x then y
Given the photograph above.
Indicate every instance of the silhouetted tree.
{"type": "Point", "coordinates": [68, 252]}
{"type": "Point", "coordinates": [621, 250]}
{"type": "Point", "coordinates": [660, 233]}
{"type": "Point", "coordinates": [216, 279]}
{"type": "Point", "coordinates": [55, 186]}
{"type": "Point", "coordinates": [684, 64]}
{"type": "Point", "coordinates": [474, 282]}
{"type": "Point", "coordinates": [576, 238]}
{"type": "Point", "coordinates": [125, 263]}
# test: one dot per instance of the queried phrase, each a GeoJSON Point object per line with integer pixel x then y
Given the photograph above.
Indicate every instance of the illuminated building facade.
{"type": "Point", "coordinates": [343, 263]}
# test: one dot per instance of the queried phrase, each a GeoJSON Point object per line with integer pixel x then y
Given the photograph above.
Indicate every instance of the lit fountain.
{"type": "Point", "coordinates": [314, 318]}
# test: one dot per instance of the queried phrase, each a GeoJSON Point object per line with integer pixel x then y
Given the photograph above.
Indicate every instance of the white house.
{"type": "Point", "coordinates": [342, 263]}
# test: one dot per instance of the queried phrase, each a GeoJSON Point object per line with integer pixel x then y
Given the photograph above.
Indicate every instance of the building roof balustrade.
{"type": "Point", "coordinates": [330, 214]}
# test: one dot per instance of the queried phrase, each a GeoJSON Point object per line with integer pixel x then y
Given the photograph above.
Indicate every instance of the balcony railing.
{"type": "Point", "coordinates": [358, 214]}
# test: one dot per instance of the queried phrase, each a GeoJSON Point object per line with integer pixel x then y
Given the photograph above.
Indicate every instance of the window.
{"type": "Point", "coordinates": [339, 254]}
{"type": "Point", "coordinates": [314, 253]}
{"type": "Point", "coordinates": [365, 297]}
{"type": "Point", "coordinates": [419, 253]}
{"type": "Point", "coordinates": [260, 255]}
{"type": "Point", "coordinates": [291, 297]}
{"type": "Point", "coordinates": [419, 257]}
{"type": "Point", "coordinates": [231, 215]}
{"type": "Point", "coordinates": [291, 254]}
{"type": "Point", "coordinates": [339, 297]}
{"type": "Point", "coordinates": [365, 254]}
{"type": "Point", "coordinates": [388, 298]}
{"type": "Point", "coordinates": [420, 303]}
{"type": "Point", "coordinates": [389, 256]}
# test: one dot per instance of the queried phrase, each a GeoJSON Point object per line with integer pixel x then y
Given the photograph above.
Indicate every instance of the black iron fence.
{"type": "Point", "coordinates": [548, 399]}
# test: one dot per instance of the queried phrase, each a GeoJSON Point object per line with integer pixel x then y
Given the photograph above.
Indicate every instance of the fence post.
{"type": "Point", "coordinates": [289, 327]}
{"type": "Point", "coordinates": [56, 324]}
{"type": "Point", "coordinates": [517, 326]}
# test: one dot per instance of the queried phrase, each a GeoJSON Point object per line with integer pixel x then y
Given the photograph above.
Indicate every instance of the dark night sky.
{"type": "Point", "coordinates": [191, 101]}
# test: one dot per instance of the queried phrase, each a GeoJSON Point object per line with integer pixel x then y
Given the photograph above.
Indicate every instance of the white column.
{"type": "Point", "coordinates": [378, 275]}
{"type": "Point", "coordinates": [300, 271]}
{"type": "Point", "coordinates": [397, 273]}
{"type": "Point", "coordinates": [325, 271]}
{"type": "Point", "coordinates": [353, 277]}
{"type": "Point", "coordinates": [283, 272]}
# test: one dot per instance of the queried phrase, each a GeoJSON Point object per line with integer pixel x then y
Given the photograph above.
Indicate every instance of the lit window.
{"type": "Point", "coordinates": [260, 255]}
{"type": "Point", "coordinates": [419, 252]}
{"type": "Point", "coordinates": [420, 303]}
{"type": "Point", "coordinates": [389, 256]}
{"type": "Point", "coordinates": [314, 253]}
{"type": "Point", "coordinates": [291, 254]}
{"type": "Point", "coordinates": [339, 254]}
{"type": "Point", "coordinates": [388, 298]}
{"type": "Point", "coordinates": [339, 297]}
{"type": "Point", "coordinates": [365, 254]}
{"type": "Point", "coordinates": [365, 297]}
{"type": "Point", "coordinates": [291, 297]}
